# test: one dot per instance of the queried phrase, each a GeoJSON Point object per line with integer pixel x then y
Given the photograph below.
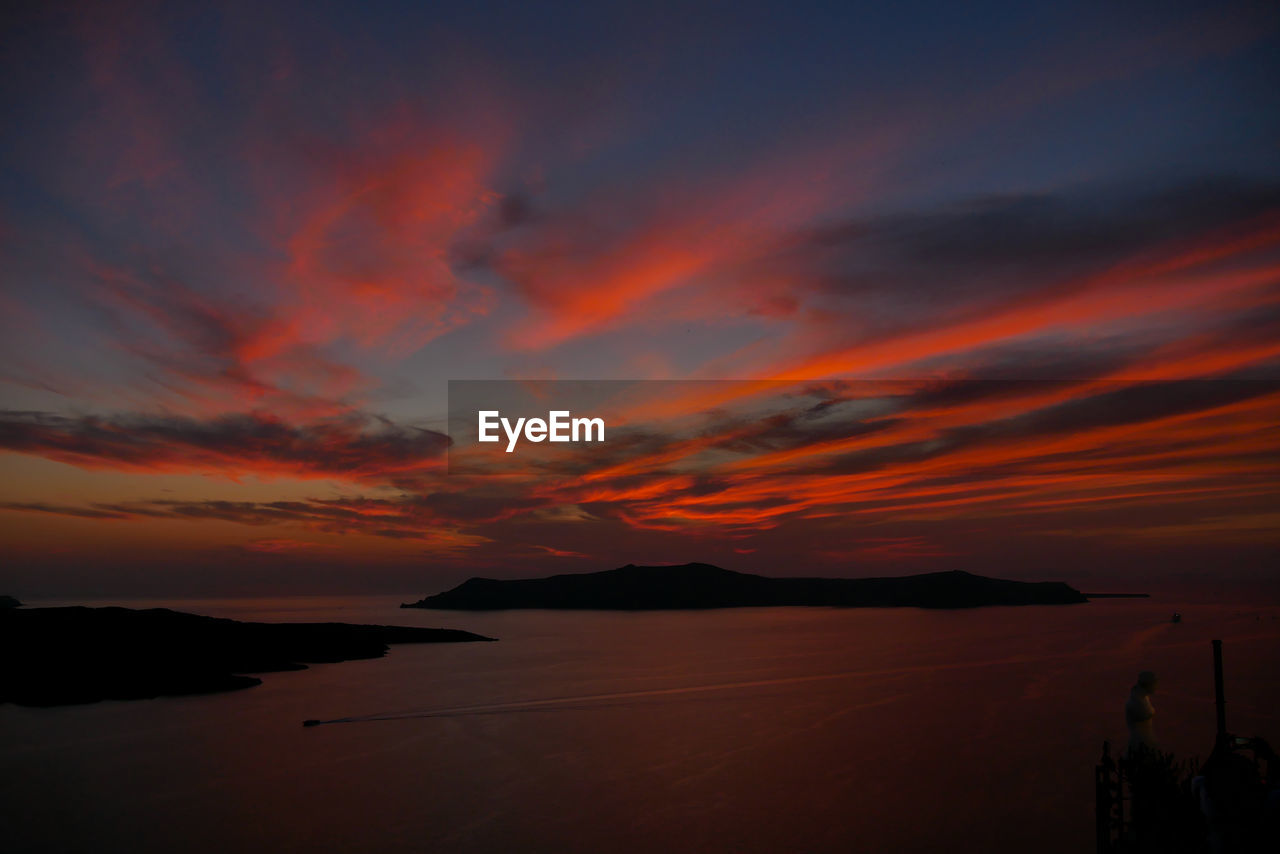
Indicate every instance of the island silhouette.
{"type": "Point", "coordinates": [62, 656]}
{"type": "Point", "coordinates": [701, 585]}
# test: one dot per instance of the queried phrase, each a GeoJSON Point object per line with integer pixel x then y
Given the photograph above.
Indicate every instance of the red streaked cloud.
{"type": "Point", "coordinates": [397, 519]}
{"type": "Point", "coordinates": [351, 448]}
{"type": "Point", "coordinates": [285, 546]}
{"type": "Point", "coordinates": [370, 256]}
{"type": "Point", "coordinates": [235, 238]}
{"type": "Point", "coordinates": [369, 237]}
{"type": "Point", "coordinates": [942, 451]}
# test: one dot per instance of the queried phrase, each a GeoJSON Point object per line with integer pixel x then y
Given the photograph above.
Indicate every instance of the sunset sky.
{"type": "Point", "coordinates": [983, 286]}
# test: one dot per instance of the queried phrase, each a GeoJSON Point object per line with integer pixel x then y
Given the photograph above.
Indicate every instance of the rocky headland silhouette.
{"type": "Point", "coordinates": [61, 656]}
{"type": "Point", "coordinates": [700, 585]}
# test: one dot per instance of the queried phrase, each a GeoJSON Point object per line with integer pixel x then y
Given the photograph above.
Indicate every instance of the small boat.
{"type": "Point", "coordinates": [1177, 618]}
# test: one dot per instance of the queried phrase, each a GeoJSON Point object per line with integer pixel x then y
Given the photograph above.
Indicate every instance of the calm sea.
{"type": "Point", "coordinates": [766, 730]}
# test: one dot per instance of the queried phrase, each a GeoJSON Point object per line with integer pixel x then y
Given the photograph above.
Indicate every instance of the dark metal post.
{"type": "Point", "coordinates": [1102, 799]}
{"type": "Point", "coordinates": [1120, 766]}
{"type": "Point", "coordinates": [1219, 696]}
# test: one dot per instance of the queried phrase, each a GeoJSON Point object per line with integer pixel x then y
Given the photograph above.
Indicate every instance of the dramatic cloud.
{"type": "Point", "coordinates": [406, 518]}
{"type": "Point", "coordinates": [348, 448]}
{"type": "Point", "coordinates": [961, 288]}
{"type": "Point", "coordinates": [1002, 244]}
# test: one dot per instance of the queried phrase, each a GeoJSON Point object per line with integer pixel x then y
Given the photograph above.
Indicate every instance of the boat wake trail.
{"type": "Point", "coordinates": [586, 700]}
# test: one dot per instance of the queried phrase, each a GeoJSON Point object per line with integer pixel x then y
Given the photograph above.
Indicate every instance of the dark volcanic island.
{"type": "Point", "coordinates": [700, 585]}
{"type": "Point", "coordinates": [58, 656]}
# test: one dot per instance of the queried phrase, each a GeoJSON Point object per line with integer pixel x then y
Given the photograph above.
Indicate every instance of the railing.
{"type": "Point", "coordinates": [1146, 804]}
{"type": "Point", "coordinates": [1109, 800]}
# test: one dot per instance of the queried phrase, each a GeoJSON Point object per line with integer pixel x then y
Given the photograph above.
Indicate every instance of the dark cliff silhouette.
{"type": "Point", "coordinates": [700, 585]}
{"type": "Point", "coordinates": [9, 602]}
{"type": "Point", "coordinates": [81, 655]}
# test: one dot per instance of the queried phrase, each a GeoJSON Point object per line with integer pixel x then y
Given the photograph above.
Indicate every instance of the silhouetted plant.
{"type": "Point", "coordinates": [1165, 814]}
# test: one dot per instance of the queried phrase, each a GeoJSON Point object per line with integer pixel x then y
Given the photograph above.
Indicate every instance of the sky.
{"type": "Point", "coordinates": [905, 287]}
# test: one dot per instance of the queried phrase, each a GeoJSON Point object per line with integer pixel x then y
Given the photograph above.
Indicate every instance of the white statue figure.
{"type": "Point", "coordinates": [1139, 714]}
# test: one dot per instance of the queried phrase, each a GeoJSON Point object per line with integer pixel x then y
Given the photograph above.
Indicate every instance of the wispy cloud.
{"type": "Point", "coordinates": [351, 447]}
